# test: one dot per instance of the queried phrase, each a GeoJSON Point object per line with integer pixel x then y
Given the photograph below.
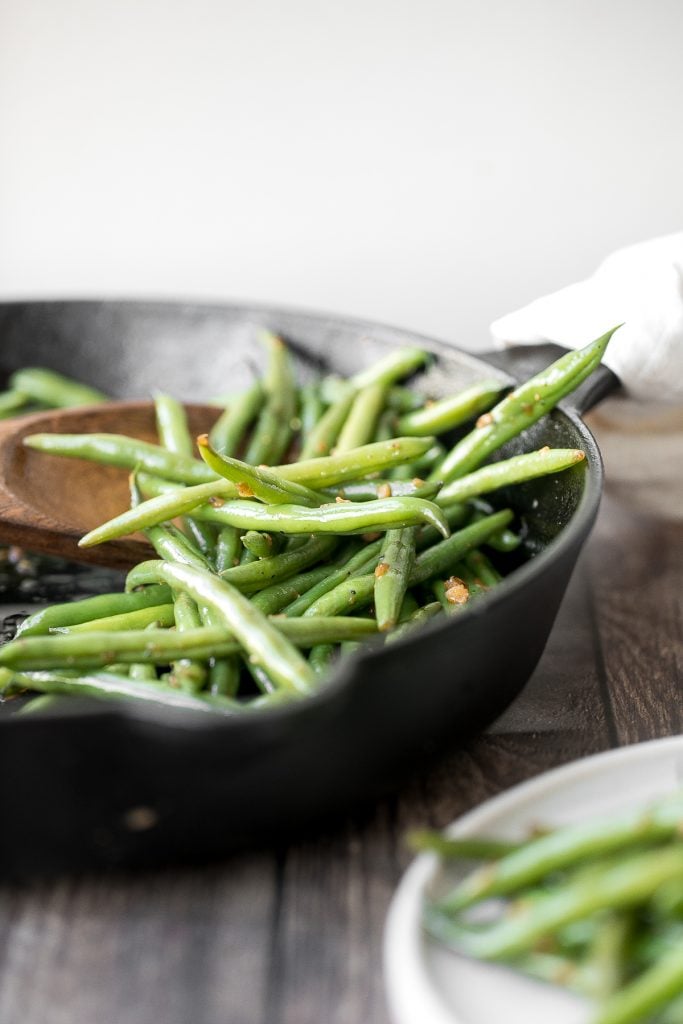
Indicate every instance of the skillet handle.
{"type": "Point", "coordinates": [523, 361]}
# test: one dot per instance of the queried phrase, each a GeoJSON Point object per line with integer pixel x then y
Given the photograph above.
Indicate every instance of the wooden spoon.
{"type": "Point", "coordinates": [47, 503]}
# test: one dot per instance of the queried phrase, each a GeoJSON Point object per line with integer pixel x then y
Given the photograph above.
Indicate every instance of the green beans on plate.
{"type": "Point", "coordinates": [594, 906]}
{"type": "Point", "coordinates": [303, 507]}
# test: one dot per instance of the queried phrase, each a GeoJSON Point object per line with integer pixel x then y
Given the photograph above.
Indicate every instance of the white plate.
{"type": "Point", "coordinates": [428, 984]}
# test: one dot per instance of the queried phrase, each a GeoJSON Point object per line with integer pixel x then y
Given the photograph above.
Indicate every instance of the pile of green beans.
{"type": "Point", "coordinates": [595, 907]}
{"type": "Point", "coordinates": [298, 527]}
{"type": "Point", "coordinates": [35, 388]}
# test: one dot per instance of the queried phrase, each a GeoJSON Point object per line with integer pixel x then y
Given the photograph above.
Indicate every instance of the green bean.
{"type": "Point", "coordinates": [173, 546]}
{"type": "Point", "coordinates": [510, 471]}
{"type": "Point", "coordinates": [521, 408]}
{"type": "Point", "coordinates": [443, 556]}
{"type": "Point", "coordinates": [187, 673]}
{"type": "Point", "coordinates": [428, 459]}
{"type": "Point", "coordinates": [460, 848]}
{"type": "Point", "coordinates": [165, 507]}
{"type": "Point", "coordinates": [434, 455]}
{"type": "Point", "coordinates": [345, 518]}
{"type": "Point", "coordinates": [325, 472]}
{"type": "Point", "coordinates": [327, 629]}
{"type": "Point", "coordinates": [557, 970]}
{"type": "Point", "coordinates": [334, 387]}
{"type": "Point", "coordinates": [196, 544]}
{"type": "Point", "coordinates": [98, 650]}
{"type": "Point", "coordinates": [361, 421]}
{"type": "Point", "coordinates": [320, 658]}
{"type": "Point", "coordinates": [322, 436]}
{"type": "Point", "coordinates": [567, 847]}
{"type": "Point", "coordinates": [274, 598]}
{"type": "Point", "coordinates": [161, 614]}
{"type": "Point", "coordinates": [224, 676]}
{"type": "Point", "coordinates": [651, 943]}
{"type": "Point", "coordinates": [126, 452]}
{"type": "Point", "coordinates": [647, 994]}
{"type": "Point", "coordinates": [46, 702]}
{"type": "Point", "coordinates": [223, 672]}
{"type": "Point", "coordinates": [103, 684]}
{"type": "Point", "coordinates": [267, 571]}
{"type": "Point", "coordinates": [164, 646]}
{"type": "Point", "coordinates": [203, 536]}
{"type": "Point", "coordinates": [439, 417]}
{"type": "Point", "coordinates": [260, 545]}
{"type": "Point", "coordinates": [368, 490]}
{"type": "Point", "coordinates": [294, 542]}
{"type": "Point", "coordinates": [608, 951]}
{"type": "Point", "coordinates": [264, 644]}
{"type": "Point", "coordinates": [359, 563]}
{"type": "Point", "coordinates": [418, 618]}
{"type": "Point", "coordinates": [11, 402]}
{"type": "Point", "coordinates": [386, 371]}
{"type": "Point", "coordinates": [227, 548]}
{"type": "Point", "coordinates": [311, 409]}
{"type": "Point", "coordinates": [457, 517]}
{"type": "Point", "coordinates": [227, 433]}
{"type": "Point", "coordinates": [396, 561]}
{"type": "Point", "coordinates": [401, 399]}
{"type": "Point", "coordinates": [142, 673]}
{"type": "Point", "coordinates": [357, 592]}
{"type": "Point", "coordinates": [226, 436]}
{"type": "Point", "coordinates": [409, 606]}
{"type": "Point", "coordinates": [347, 597]}
{"type": "Point", "coordinates": [73, 612]}
{"type": "Point", "coordinates": [273, 431]}
{"type": "Point", "coordinates": [54, 389]}
{"type": "Point", "coordinates": [254, 481]}
{"type": "Point", "coordinates": [172, 425]}
{"type": "Point", "coordinates": [673, 1013]}
{"type": "Point", "coordinates": [386, 426]}
{"type": "Point", "coordinates": [247, 556]}
{"type": "Point", "coordinates": [484, 571]}
{"type": "Point", "coordinates": [170, 503]}
{"type": "Point", "coordinates": [397, 364]}
{"type": "Point", "coordinates": [504, 540]}
{"type": "Point", "coordinates": [615, 883]}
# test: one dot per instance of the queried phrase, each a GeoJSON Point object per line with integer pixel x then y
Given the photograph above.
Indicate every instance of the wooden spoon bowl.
{"type": "Point", "coordinates": [47, 503]}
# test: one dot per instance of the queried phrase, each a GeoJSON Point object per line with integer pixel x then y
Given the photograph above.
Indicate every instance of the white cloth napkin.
{"type": "Point", "coordinates": [640, 286]}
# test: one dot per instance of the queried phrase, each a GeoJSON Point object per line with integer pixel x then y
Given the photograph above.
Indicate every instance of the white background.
{"type": "Point", "coordinates": [433, 164]}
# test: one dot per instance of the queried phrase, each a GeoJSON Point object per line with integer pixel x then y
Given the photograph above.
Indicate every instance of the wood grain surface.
{"type": "Point", "coordinates": [293, 936]}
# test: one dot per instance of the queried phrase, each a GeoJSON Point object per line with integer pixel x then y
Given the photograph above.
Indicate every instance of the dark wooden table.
{"type": "Point", "coordinates": [294, 936]}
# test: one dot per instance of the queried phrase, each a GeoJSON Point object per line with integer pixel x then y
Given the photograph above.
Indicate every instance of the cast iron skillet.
{"type": "Point", "coordinates": [72, 778]}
